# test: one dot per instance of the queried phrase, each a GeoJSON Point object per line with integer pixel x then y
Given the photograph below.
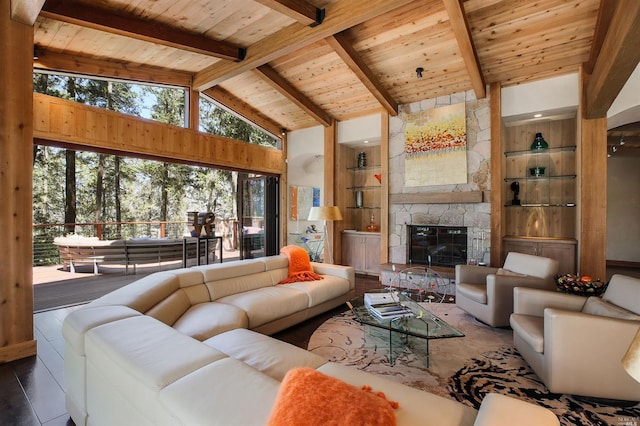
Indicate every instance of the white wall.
{"type": "Point", "coordinates": [360, 129]}
{"type": "Point", "coordinates": [628, 97]}
{"type": "Point", "coordinates": [623, 205]}
{"type": "Point", "coordinates": [305, 167]}
{"type": "Point", "coordinates": [558, 94]}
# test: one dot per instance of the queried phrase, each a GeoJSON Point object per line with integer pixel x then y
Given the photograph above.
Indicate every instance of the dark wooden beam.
{"type": "Point", "coordinates": [341, 15]}
{"type": "Point", "coordinates": [605, 14]}
{"type": "Point", "coordinates": [300, 10]}
{"type": "Point", "coordinates": [460, 27]}
{"type": "Point", "coordinates": [75, 64]}
{"type": "Point", "coordinates": [97, 18]}
{"type": "Point", "coordinates": [618, 58]}
{"type": "Point", "coordinates": [344, 48]}
{"type": "Point", "coordinates": [238, 106]}
{"type": "Point", "coordinates": [279, 83]}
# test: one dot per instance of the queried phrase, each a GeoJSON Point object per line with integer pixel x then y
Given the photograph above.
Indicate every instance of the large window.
{"type": "Point", "coordinates": [218, 121]}
{"type": "Point", "coordinates": [162, 103]}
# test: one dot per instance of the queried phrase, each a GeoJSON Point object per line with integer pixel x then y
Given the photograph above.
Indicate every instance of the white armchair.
{"type": "Point", "coordinates": [576, 344]}
{"type": "Point", "coordinates": [487, 293]}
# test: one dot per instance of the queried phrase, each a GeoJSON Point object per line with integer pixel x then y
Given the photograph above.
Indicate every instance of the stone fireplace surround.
{"type": "Point", "coordinates": [445, 205]}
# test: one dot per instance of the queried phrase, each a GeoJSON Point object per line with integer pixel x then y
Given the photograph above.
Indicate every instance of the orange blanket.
{"type": "Point", "coordinates": [299, 265]}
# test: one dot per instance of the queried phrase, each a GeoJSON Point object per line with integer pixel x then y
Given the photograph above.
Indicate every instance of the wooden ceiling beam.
{"type": "Point", "coordinates": [460, 27]}
{"type": "Point", "coordinates": [343, 46]}
{"type": "Point", "coordinates": [285, 88]}
{"type": "Point", "coordinates": [85, 15]}
{"type": "Point", "coordinates": [605, 14]}
{"type": "Point", "coordinates": [240, 107]}
{"type": "Point", "coordinates": [26, 11]}
{"type": "Point", "coordinates": [300, 10]}
{"type": "Point", "coordinates": [340, 15]}
{"type": "Point", "coordinates": [75, 64]}
{"type": "Point", "coordinates": [618, 58]}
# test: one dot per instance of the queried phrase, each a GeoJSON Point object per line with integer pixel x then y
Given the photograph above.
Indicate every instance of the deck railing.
{"type": "Point", "coordinates": [45, 251]}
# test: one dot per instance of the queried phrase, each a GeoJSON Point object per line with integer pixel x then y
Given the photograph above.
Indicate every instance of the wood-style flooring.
{"type": "Point", "coordinates": [32, 389]}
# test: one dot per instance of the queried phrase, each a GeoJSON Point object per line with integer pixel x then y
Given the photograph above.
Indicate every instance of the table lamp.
{"type": "Point", "coordinates": [325, 214]}
{"type": "Point", "coordinates": [631, 360]}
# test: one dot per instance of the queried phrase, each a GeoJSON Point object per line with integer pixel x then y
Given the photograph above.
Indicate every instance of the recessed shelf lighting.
{"type": "Point", "coordinates": [366, 142]}
{"type": "Point", "coordinates": [537, 115]}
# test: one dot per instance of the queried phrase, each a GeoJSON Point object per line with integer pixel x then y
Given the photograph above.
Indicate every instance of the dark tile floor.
{"type": "Point", "coordinates": [32, 389]}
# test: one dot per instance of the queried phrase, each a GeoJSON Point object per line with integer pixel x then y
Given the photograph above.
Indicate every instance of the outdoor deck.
{"type": "Point", "coordinates": [55, 288]}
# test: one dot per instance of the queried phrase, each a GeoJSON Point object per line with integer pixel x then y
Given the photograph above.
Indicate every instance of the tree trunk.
{"type": "Point", "coordinates": [70, 192]}
{"type": "Point", "coordinates": [165, 192]}
{"type": "Point", "coordinates": [99, 188]}
{"type": "Point", "coordinates": [116, 182]}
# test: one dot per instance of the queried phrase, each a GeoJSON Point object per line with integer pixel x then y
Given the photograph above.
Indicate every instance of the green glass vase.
{"type": "Point", "coordinates": [539, 143]}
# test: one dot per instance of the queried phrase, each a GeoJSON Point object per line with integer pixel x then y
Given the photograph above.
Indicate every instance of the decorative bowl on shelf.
{"type": "Point", "coordinates": [582, 286]}
{"type": "Point", "coordinates": [537, 171]}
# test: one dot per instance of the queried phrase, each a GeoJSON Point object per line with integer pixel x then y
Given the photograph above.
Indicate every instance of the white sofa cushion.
{"type": "Point", "coordinates": [270, 356]}
{"type": "Point", "coordinates": [624, 291]}
{"type": "Point", "coordinates": [226, 393]}
{"type": "Point", "coordinates": [475, 292]}
{"type": "Point", "coordinates": [144, 293]}
{"type": "Point", "coordinates": [267, 304]}
{"type": "Point", "coordinates": [597, 306]}
{"type": "Point", "coordinates": [235, 268]}
{"type": "Point", "coordinates": [530, 328]}
{"type": "Point", "coordinates": [145, 351]}
{"type": "Point", "coordinates": [204, 320]}
{"type": "Point", "coordinates": [77, 323]}
{"type": "Point", "coordinates": [501, 410]}
{"type": "Point", "coordinates": [527, 264]}
{"type": "Point", "coordinates": [330, 288]}
{"type": "Point", "coordinates": [223, 287]}
{"type": "Point", "coordinates": [415, 404]}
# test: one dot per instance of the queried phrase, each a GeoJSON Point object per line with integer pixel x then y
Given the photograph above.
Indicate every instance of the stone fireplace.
{"type": "Point", "coordinates": [451, 206]}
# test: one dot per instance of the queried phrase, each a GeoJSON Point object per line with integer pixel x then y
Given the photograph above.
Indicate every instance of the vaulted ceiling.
{"type": "Point", "coordinates": [293, 64]}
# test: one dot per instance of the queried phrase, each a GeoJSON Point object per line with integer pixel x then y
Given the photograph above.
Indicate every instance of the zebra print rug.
{"type": "Point", "coordinates": [463, 368]}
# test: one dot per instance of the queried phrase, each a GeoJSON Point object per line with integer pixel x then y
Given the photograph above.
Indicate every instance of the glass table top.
{"type": "Point", "coordinates": [421, 323]}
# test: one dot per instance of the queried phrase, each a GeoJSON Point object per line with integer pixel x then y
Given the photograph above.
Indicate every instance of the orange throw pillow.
{"type": "Point", "coordinates": [309, 397]}
{"type": "Point", "coordinates": [299, 265]}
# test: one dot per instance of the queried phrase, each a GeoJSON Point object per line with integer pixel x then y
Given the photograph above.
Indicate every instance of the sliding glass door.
{"type": "Point", "coordinates": [258, 207]}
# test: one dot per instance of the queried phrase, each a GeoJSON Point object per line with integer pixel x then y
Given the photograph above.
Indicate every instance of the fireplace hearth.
{"type": "Point", "coordinates": [436, 245]}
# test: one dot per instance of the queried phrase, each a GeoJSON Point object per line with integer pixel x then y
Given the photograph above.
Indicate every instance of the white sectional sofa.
{"type": "Point", "coordinates": [188, 347]}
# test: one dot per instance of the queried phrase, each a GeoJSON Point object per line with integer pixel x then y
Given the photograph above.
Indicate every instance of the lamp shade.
{"type": "Point", "coordinates": [631, 360]}
{"type": "Point", "coordinates": [325, 213]}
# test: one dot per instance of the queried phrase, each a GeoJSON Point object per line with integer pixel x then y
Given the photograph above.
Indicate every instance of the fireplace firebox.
{"type": "Point", "coordinates": [436, 245]}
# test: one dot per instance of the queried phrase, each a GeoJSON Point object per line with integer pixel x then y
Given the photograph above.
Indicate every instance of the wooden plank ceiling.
{"type": "Point", "coordinates": [298, 63]}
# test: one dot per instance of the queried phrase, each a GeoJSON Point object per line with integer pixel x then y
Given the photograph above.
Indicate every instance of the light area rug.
{"type": "Point", "coordinates": [461, 368]}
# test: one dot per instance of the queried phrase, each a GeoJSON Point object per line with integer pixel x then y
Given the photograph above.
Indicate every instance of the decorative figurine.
{"type": "Point", "coordinates": [539, 143]}
{"type": "Point", "coordinates": [515, 187]}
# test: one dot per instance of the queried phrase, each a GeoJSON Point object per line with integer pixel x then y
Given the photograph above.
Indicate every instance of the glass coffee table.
{"type": "Point", "coordinates": [412, 331]}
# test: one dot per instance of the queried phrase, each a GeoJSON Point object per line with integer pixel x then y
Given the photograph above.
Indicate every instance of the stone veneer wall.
{"type": "Point", "coordinates": [475, 216]}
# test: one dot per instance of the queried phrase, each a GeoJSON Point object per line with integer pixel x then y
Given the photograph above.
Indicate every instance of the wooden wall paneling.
{"type": "Point", "coordinates": [59, 121]}
{"type": "Point", "coordinates": [344, 198]}
{"type": "Point", "coordinates": [593, 221]}
{"type": "Point", "coordinates": [384, 189]}
{"type": "Point", "coordinates": [194, 109]}
{"type": "Point", "coordinates": [498, 213]}
{"type": "Point", "coordinates": [330, 147]}
{"type": "Point", "coordinates": [16, 133]}
{"type": "Point", "coordinates": [284, 194]}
